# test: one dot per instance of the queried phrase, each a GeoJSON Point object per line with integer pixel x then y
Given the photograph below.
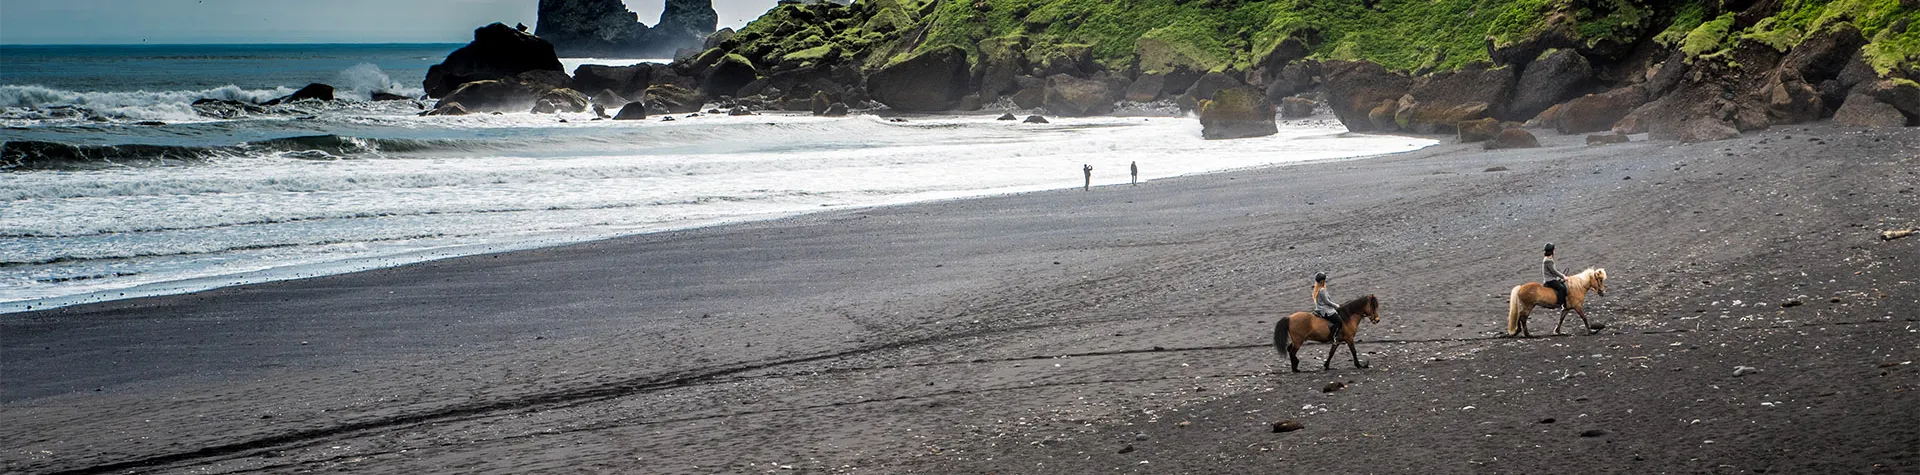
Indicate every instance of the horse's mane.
{"type": "Point", "coordinates": [1359, 303]}
{"type": "Point", "coordinates": [1581, 279]}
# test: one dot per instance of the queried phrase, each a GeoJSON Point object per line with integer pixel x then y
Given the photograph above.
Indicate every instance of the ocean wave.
{"type": "Point", "coordinates": [134, 105]}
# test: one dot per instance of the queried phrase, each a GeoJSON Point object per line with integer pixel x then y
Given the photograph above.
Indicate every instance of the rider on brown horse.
{"type": "Point", "coordinates": [1555, 280]}
{"type": "Point", "coordinates": [1324, 307]}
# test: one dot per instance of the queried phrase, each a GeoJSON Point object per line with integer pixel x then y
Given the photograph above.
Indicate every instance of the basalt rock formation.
{"type": "Point", "coordinates": [497, 52]}
{"type": "Point", "coordinates": [608, 28]}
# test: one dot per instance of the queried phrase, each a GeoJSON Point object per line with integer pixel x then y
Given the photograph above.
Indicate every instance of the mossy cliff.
{"type": "Point", "coordinates": [1012, 46]}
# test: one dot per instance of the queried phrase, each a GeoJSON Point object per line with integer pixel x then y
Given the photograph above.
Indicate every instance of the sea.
{"type": "Point", "coordinates": [161, 199]}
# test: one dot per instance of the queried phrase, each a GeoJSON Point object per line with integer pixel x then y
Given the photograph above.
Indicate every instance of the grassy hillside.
{"type": "Point", "coordinates": [1221, 34]}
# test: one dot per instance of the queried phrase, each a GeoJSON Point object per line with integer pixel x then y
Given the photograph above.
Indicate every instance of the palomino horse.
{"type": "Point", "coordinates": [1290, 332]}
{"type": "Point", "coordinates": [1529, 295]}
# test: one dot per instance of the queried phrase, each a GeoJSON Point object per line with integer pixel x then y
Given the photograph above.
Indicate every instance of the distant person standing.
{"type": "Point", "coordinates": [1088, 170]}
{"type": "Point", "coordinates": [1136, 172]}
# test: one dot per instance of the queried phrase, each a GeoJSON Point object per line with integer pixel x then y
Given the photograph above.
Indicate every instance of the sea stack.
{"type": "Point", "coordinates": [608, 28]}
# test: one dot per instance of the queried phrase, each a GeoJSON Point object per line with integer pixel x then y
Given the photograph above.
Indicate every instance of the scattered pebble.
{"type": "Point", "coordinates": [1496, 169]}
{"type": "Point", "coordinates": [1127, 449]}
{"type": "Point", "coordinates": [1790, 303]}
{"type": "Point", "coordinates": [1593, 433]}
{"type": "Point", "coordinates": [1288, 425]}
{"type": "Point", "coordinates": [1547, 421]}
{"type": "Point", "coordinates": [1333, 386]}
{"type": "Point", "coordinates": [1739, 371]}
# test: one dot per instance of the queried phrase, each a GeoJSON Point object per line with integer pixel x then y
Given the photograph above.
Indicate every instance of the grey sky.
{"type": "Point", "coordinates": [288, 21]}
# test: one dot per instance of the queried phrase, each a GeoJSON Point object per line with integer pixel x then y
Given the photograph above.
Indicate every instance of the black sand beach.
{"type": "Point", "coordinates": [1122, 329]}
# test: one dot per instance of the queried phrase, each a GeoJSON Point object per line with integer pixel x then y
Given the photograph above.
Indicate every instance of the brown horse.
{"type": "Point", "coordinates": [1290, 332]}
{"type": "Point", "coordinates": [1526, 296]}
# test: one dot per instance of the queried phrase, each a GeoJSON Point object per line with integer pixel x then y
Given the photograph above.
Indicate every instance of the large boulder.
{"type": "Point", "coordinates": [1294, 78]}
{"type": "Point", "coordinates": [1902, 95]}
{"type": "Point", "coordinates": [1356, 88]}
{"type": "Point", "coordinates": [495, 95]}
{"type": "Point", "coordinates": [607, 99]}
{"type": "Point", "coordinates": [1296, 107]}
{"type": "Point", "coordinates": [1205, 87]}
{"type": "Point", "coordinates": [1562, 75]}
{"type": "Point", "coordinates": [933, 80]}
{"type": "Point", "coordinates": [1862, 110]}
{"type": "Point", "coordinates": [1146, 88]}
{"type": "Point", "coordinates": [1598, 112]}
{"type": "Point", "coordinates": [1824, 53]}
{"type": "Point", "coordinates": [1440, 100]}
{"type": "Point", "coordinates": [1790, 100]}
{"type": "Point", "coordinates": [1002, 62]}
{"type": "Point", "coordinates": [560, 100]}
{"type": "Point", "coordinates": [1237, 112]}
{"type": "Point", "coordinates": [728, 75]}
{"type": "Point", "coordinates": [497, 52]}
{"type": "Point", "coordinates": [1513, 138]}
{"type": "Point", "coordinates": [315, 91]}
{"type": "Point", "coordinates": [673, 99]}
{"type": "Point", "coordinates": [1706, 129]}
{"type": "Point", "coordinates": [632, 111]}
{"type": "Point", "coordinates": [1480, 130]}
{"type": "Point", "coordinates": [1075, 97]}
{"type": "Point", "coordinates": [622, 80]}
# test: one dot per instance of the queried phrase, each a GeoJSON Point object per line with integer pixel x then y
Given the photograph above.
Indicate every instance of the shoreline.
{"type": "Point", "coordinates": [1067, 331]}
{"type": "Point", "coordinates": [358, 264]}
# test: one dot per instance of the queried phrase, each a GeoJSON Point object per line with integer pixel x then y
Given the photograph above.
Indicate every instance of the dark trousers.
{"type": "Point", "coordinates": [1559, 290]}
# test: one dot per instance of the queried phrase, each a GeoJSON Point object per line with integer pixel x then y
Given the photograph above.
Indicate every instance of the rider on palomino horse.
{"type": "Point", "coordinates": [1324, 307]}
{"type": "Point", "coordinates": [1555, 280]}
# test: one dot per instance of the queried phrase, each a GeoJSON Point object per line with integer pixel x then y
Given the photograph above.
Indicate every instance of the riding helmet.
{"type": "Point", "coordinates": [1320, 277]}
{"type": "Point", "coordinates": [1549, 249]}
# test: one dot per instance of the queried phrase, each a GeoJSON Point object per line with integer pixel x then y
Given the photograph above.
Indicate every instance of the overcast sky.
{"type": "Point", "coordinates": [288, 21]}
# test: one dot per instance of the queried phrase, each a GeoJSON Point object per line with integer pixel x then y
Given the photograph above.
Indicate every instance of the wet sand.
{"type": "Point", "coordinates": [1122, 329]}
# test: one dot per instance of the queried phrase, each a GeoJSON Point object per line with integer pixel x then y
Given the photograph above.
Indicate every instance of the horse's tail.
{"type": "Point", "coordinates": [1280, 337]}
{"type": "Point", "coordinates": [1515, 308]}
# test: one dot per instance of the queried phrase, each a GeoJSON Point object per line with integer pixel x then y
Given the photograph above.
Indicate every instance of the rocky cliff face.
{"type": "Point", "coordinates": [608, 28]}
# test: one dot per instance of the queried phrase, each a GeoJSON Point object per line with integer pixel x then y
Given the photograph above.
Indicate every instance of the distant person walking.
{"type": "Point", "coordinates": [1088, 170]}
{"type": "Point", "coordinates": [1136, 172]}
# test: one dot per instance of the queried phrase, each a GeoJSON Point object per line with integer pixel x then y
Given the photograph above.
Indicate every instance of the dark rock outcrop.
{"type": "Point", "coordinates": [495, 95]}
{"type": "Point", "coordinates": [622, 80]}
{"type": "Point", "coordinates": [1862, 110]}
{"type": "Point", "coordinates": [560, 100]}
{"type": "Point", "coordinates": [632, 111]}
{"type": "Point", "coordinates": [934, 80]}
{"type": "Point", "coordinates": [1205, 87]}
{"type": "Point", "coordinates": [315, 91]}
{"type": "Point", "coordinates": [1513, 138]}
{"type": "Point", "coordinates": [1034, 119]}
{"type": "Point", "coordinates": [1562, 75]}
{"type": "Point", "coordinates": [1706, 129]}
{"type": "Point", "coordinates": [837, 109]}
{"type": "Point", "coordinates": [1237, 112]}
{"type": "Point", "coordinates": [497, 52]}
{"type": "Point", "coordinates": [1296, 107]}
{"type": "Point", "coordinates": [607, 27]}
{"type": "Point", "coordinates": [448, 108]}
{"type": "Point", "coordinates": [1355, 89]}
{"type": "Point", "coordinates": [672, 99]}
{"type": "Point", "coordinates": [1479, 130]}
{"type": "Point", "coordinates": [1441, 100]}
{"type": "Point", "coordinates": [1075, 97]}
{"type": "Point", "coordinates": [727, 76]}
{"type": "Point", "coordinates": [1598, 112]}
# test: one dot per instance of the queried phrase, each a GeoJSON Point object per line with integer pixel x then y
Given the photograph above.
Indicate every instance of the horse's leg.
{"type": "Point", "coordinates": [1563, 320]}
{"type": "Point", "coordinates": [1525, 312]}
{"type": "Point", "coordinates": [1583, 320]}
{"type": "Point", "coordinates": [1330, 355]}
{"type": "Point", "coordinates": [1354, 353]}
